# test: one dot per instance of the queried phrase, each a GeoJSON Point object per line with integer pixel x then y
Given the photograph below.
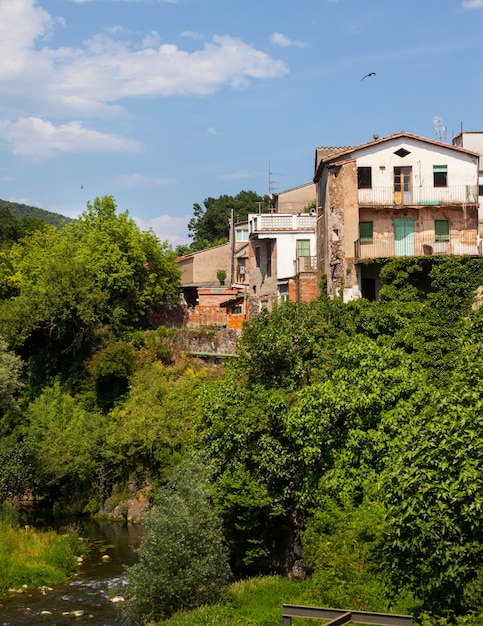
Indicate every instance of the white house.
{"type": "Point", "coordinates": [400, 195]}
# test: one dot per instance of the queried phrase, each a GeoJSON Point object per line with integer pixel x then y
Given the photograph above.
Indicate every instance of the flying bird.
{"type": "Point", "coordinates": [367, 75]}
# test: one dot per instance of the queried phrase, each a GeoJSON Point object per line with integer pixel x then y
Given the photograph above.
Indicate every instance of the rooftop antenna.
{"type": "Point", "coordinates": [272, 184]}
{"type": "Point", "coordinates": [439, 129]}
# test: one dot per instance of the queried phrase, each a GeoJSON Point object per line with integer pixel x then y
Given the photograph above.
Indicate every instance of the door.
{"type": "Point", "coordinates": [404, 236]}
{"type": "Point", "coordinates": [403, 189]}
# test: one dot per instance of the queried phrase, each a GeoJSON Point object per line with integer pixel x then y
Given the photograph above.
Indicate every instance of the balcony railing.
{"type": "Point", "coordinates": [262, 222]}
{"type": "Point", "coordinates": [419, 196]}
{"type": "Point", "coordinates": [383, 247]}
{"type": "Point", "coordinates": [305, 264]}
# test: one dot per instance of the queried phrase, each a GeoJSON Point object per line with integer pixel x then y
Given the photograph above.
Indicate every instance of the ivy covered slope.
{"type": "Point", "coordinates": [359, 428]}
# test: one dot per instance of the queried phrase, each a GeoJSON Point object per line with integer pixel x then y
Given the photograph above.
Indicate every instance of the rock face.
{"type": "Point", "coordinates": [128, 509]}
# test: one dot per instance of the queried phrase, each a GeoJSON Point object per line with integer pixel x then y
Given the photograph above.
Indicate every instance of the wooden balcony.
{"type": "Point", "coordinates": [459, 195]}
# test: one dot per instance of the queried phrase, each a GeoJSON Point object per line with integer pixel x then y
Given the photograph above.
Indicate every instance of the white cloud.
{"type": "Point", "coordinates": [167, 228]}
{"type": "Point", "coordinates": [278, 39]}
{"type": "Point", "coordinates": [211, 131]}
{"type": "Point", "coordinates": [91, 79]}
{"type": "Point", "coordinates": [140, 180]}
{"type": "Point", "coordinates": [239, 175]}
{"type": "Point", "coordinates": [473, 4]}
{"type": "Point", "coordinates": [145, 1]}
{"type": "Point", "coordinates": [39, 139]}
{"type": "Point", "coordinates": [192, 35]}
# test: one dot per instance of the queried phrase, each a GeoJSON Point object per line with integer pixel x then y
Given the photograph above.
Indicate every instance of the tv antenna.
{"type": "Point", "coordinates": [272, 184]}
{"type": "Point", "coordinates": [439, 129]}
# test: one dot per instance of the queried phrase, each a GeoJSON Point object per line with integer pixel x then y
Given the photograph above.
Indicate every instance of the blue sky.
{"type": "Point", "coordinates": [163, 103]}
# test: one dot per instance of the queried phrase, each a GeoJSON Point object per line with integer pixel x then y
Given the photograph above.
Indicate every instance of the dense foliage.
{"type": "Point", "coordinates": [352, 430]}
{"type": "Point", "coordinates": [182, 559]}
{"type": "Point", "coordinates": [358, 426]}
{"type": "Point", "coordinates": [210, 224]}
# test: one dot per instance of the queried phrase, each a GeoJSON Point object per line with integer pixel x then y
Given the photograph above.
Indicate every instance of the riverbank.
{"type": "Point", "coordinates": [94, 593]}
{"type": "Point", "coordinates": [33, 558]}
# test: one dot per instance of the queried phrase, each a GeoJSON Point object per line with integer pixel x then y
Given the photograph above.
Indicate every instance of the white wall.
{"type": "Point", "coordinates": [462, 168]}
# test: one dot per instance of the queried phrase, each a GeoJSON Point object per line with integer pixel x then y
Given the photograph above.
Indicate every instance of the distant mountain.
{"type": "Point", "coordinates": [23, 210]}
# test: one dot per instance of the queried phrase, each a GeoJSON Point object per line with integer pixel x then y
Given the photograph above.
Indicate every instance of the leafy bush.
{"type": "Point", "coordinates": [182, 558]}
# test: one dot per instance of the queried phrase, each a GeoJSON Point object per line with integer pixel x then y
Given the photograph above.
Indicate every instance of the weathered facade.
{"type": "Point", "coordinates": [283, 261]}
{"type": "Point", "coordinates": [401, 195]}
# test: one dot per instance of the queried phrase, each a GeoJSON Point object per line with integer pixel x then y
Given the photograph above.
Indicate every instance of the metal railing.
{"type": "Point", "coordinates": [281, 221]}
{"type": "Point", "coordinates": [385, 246]}
{"type": "Point", "coordinates": [419, 196]}
{"type": "Point", "coordinates": [343, 616]}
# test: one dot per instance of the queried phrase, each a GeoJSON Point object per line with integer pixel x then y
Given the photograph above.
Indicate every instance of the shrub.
{"type": "Point", "coordinates": [183, 562]}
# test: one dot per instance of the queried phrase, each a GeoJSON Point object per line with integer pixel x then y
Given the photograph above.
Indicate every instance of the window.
{"type": "Point", "coordinates": [241, 268]}
{"type": "Point", "coordinates": [283, 292]}
{"type": "Point", "coordinates": [364, 178]}
{"type": "Point", "coordinates": [303, 247]}
{"type": "Point", "coordinates": [480, 190]}
{"type": "Point", "coordinates": [441, 230]}
{"type": "Point", "coordinates": [241, 234]}
{"type": "Point", "coordinates": [237, 309]}
{"type": "Point", "coordinates": [440, 175]}
{"type": "Point", "coordinates": [402, 152]}
{"type": "Point", "coordinates": [269, 258]}
{"type": "Point", "coordinates": [258, 256]}
{"type": "Point", "coordinates": [263, 305]}
{"type": "Point", "coordinates": [366, 232]}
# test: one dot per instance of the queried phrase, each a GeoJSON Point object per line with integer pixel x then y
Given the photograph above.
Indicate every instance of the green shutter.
{"type": "Point", "coordinates": [366, 232]}
{"type": "Point", "coordinates": [441, 230]}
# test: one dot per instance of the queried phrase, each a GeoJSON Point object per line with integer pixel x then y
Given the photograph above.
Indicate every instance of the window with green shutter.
{"type": "Point", "coordinates": [366, 231]}
{"type": "Point", "coordinates": [441, 230]}
{"type": "Point", "coordinates": [440, 175]}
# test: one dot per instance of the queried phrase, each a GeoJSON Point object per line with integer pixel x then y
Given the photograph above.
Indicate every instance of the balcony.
{"type": "Point", "coordinates": [305, 264]}
{"type": "Point", "coordinates": [386, 246]}
{"type": "Point", "coordinates": [419, 196]}
{"type": "Point", "coordinates": [276, 222]}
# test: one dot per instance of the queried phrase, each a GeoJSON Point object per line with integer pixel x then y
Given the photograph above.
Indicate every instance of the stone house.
{"type": "Point", "coordinates": [400, 195]}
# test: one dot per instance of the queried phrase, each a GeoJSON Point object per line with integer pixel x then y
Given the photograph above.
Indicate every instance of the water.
{"type": "Point", "coordinates": [89, 592]}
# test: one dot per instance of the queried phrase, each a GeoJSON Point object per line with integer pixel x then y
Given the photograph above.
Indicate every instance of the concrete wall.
{"type": "Point", "coordinates": [297, 199]}
{"type": "Point", "coordinates": [201, 267]}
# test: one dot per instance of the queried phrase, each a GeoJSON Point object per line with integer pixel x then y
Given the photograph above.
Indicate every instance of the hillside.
{"type": "Point", "coordinates": [23, 210]}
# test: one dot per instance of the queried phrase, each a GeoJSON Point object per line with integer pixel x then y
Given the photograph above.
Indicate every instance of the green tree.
{"type": "Point", "coordinates": [210, 224]}
{"type": "Point", "coordinates": [98, 272]}
{"type": "Point", "coordinates": [433, 486]}
{"type": "Point", "coordinates": [182, 558]}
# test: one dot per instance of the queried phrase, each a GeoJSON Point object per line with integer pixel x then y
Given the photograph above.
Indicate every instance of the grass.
{"type": "Point", "coordinates": [34, 558]}
{"type": "Point", "coordinates": [253, 602]}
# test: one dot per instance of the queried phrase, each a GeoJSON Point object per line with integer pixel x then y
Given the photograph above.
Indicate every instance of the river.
{"type": "Point", "coordinates": [100, 577]}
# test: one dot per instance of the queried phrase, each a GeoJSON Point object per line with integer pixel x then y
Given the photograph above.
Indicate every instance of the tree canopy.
{"type": "Point", "coordinates": [210, 224]}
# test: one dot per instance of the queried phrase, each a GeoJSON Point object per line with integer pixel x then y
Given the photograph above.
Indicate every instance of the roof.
{"type": "Point", "coordinates": [234, 300]}
{"type": "Point", "coordinates": [345, 152]}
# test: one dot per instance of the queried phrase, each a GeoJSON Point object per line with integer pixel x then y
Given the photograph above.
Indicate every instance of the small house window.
{"type": "Point", "coordinates": [237, 309]}
{"type": "Point", "coordinates": [366, 232]}
{"type": "Point", "coordinates": [283, 292]}
{"type": "Point", "coordinates": [364, 178]}
{"type": "Point", "coordinates": [303, 247]}
{"type": "Point", "coordinates": [241, 234]}
{"type": "Point", "coordinates": [441, 230]}
{"type": "Point", "coordinates": [269, 258]}
{"type": "Point", "coordinates": [440, 175]}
